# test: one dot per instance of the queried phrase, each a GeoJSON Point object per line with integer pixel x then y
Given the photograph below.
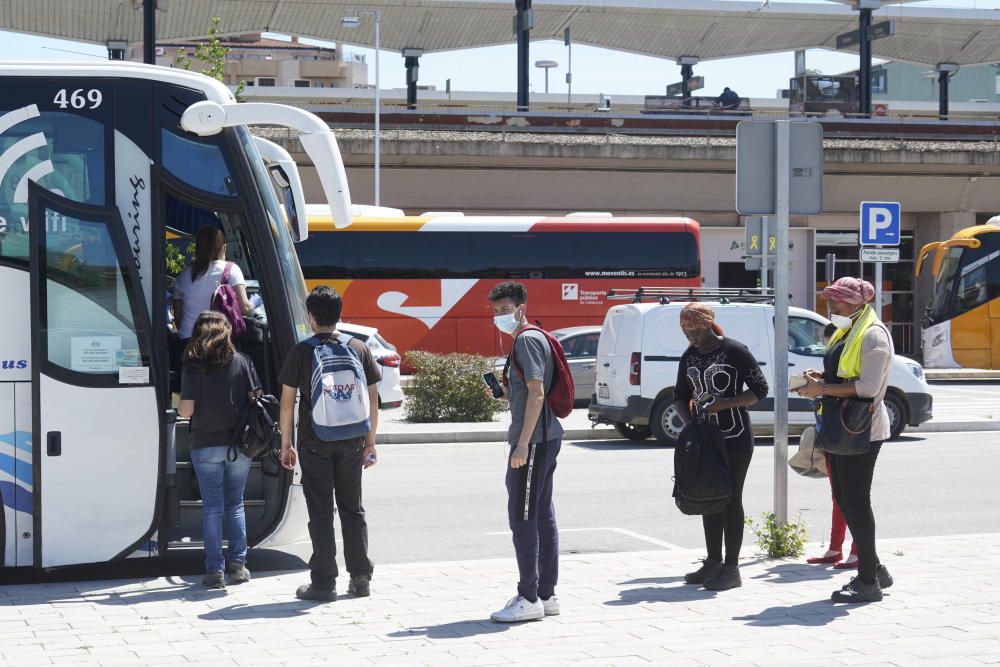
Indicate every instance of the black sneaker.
{"type": "Point", "coordinates": [728, 577]}
{"type": "Point", "coordinates": [307, 592]}
{"type": "Point", "coordinates": [708, 569]}
{"type": "Point", "coordinates": [360, 586]}
{"type": "Point", "coordinates": [214, 580]}
{"type": "Point", "coordinates": [884, 578]}
{"type": "Point", "coordinates": [238, 573]}
{"type": "Point", "coordinates": [858, 591]}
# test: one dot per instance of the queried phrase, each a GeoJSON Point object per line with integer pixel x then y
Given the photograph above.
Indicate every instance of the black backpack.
{"type": "Point", "coordinates": [259, 430]}
{"type": "Point", "coordinates": [703, 483]}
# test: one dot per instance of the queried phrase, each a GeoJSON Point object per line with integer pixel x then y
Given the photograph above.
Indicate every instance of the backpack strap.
{"type": "Point", "coordinates": [225, 273]}
{"type": "Point", "coordinates": [512, 359]}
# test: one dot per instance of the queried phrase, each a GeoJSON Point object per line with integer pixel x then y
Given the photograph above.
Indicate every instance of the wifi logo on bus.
{"type": "Point", "coordinates": [22, 148]}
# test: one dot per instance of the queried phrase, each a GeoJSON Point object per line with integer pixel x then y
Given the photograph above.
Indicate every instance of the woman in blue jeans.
{"type": "Point", "coordinates": [215, 389]}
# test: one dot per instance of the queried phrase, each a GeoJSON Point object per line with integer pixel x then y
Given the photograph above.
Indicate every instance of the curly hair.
{"type": "Point", "coordinates": [509, 289]}
{"type": "Point", "coordinates": [210, 348]}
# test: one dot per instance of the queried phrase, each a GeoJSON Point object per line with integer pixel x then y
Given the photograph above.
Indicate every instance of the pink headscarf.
{"type": "Point", "coordinates": [852, 291]}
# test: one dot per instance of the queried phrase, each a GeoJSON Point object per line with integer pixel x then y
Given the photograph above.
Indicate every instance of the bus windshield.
{"type": "Point", "coordinates": [293, 282]}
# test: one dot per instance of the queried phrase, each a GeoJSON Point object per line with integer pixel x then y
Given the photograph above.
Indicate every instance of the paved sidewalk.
{"type": "Point", "coordinates": [618, 609]}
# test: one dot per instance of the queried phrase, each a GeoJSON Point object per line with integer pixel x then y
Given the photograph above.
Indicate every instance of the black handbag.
{"type": "Point", "coordinates": [847, 425]}
{"type": "Point", "coordinates": [259, 430]}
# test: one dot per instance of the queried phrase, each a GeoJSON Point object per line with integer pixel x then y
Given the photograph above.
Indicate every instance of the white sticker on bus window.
{"type": "Point", "coordinates": [133, 375]}
{"type": "Point", "coordinates": [94, 354]}
{"type": "Point", "coordinates": [126, 358]}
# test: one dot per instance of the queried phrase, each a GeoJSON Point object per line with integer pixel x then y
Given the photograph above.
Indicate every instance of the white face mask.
{"type": "Point", "coordinates": [844, 321]}
{"type": "Point", "coordinates": [506, 323]}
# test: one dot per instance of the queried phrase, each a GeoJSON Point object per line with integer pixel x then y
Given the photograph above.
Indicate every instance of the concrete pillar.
{"type": "Point", "coordinates": [411, 59]}
{"type": "Point", "coordinates": [523, 22]}
{"type": "Point", "coordinates": [149, 32]}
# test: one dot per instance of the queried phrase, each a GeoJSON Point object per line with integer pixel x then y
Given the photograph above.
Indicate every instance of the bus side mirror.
{"type": "Point", "coordinates": [285, 175]}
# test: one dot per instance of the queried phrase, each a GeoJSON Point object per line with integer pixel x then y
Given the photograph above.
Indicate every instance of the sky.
{"type": "Point", "coordinates": [596, 71]}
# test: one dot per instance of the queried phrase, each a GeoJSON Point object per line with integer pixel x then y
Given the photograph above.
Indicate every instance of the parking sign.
{"type": "Point", "coordinates": [880, 223]}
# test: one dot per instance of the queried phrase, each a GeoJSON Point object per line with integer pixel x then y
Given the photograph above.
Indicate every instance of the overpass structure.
{"type": "Point", "coordinates": [686, 31]}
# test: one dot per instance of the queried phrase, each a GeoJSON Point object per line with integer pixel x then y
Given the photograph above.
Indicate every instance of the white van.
{"type": "Point", "coordinates": [641, 345]}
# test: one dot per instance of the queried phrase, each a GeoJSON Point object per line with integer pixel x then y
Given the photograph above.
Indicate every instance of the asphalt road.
{"type": "Point", "coordinates": [447, 502]}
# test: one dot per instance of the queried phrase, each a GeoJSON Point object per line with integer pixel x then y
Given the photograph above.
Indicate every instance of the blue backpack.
{"type": "Point", "coordinates": [340, 404]}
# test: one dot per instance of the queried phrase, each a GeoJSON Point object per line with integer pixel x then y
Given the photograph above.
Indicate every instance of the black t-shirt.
{"type": "Point", "coordinates": [297, 372]}
{"type": "Point", "coordinates": [723, 373]}
{"type": "Point", "coordinates": [219, 400]}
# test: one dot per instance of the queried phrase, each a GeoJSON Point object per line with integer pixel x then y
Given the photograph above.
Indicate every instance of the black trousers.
{"type": "Point", "coordinates": [851, 478]}
{"type": "Point", "coordinates": [333, 470]}
{"type": "Point", "coordinates": [729, 523]}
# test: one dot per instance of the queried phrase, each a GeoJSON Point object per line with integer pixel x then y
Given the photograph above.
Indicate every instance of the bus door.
{"type": "Point", "coordinates": [97, 421]}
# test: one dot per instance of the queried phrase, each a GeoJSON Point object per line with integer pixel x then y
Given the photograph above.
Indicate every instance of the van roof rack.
{"type": "Point", "coordinates": [665, 295]}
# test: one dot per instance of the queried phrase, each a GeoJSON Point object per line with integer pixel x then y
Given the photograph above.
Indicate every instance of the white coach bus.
{"type": "Point", "coordinates": [99, 165]}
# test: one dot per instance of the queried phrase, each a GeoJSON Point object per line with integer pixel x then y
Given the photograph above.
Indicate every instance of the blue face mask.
{"type": "Point", "coordinates": [506, 323]}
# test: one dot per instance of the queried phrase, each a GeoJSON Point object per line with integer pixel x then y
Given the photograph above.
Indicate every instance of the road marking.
{"type": "Point", "coordinates": [621, 531]}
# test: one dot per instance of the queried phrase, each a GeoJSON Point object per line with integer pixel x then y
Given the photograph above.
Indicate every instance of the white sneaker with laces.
{"type": "Point", "coordinates": [551, 606]}
{"type": "Point", "coordinates": [519, 609]}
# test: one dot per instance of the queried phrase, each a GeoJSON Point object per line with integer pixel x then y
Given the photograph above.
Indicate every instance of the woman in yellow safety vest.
{"type": "Point", "coordinates": [857, 365]}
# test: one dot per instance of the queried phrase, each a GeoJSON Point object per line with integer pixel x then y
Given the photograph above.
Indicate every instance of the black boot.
{"type": "Point", "coordinates": [708, 569]}
{"type": "Point", "coordinates": [858, 591]}
{"type": "Point", "coordinates": [728, 577]}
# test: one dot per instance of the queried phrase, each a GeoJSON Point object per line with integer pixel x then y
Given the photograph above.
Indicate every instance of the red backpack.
{"type": "Point", "coordinates": [562, 392]}
{"type": "Point", "coordinates": [226, 301]}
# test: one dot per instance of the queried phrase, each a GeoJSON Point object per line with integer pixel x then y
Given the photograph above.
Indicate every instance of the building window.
{"type": "Point", "coordinates": [266, 81]}
{"type": "Point", "coordinates": [301, 83]}
{"type": "Point", "coordinates": [880, 82]}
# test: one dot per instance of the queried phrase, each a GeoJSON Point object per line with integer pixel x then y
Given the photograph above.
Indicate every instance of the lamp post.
{"type": "Point", "coordinates": [546, 65]}
{"type": "Point", "coordinates": [353, 21]}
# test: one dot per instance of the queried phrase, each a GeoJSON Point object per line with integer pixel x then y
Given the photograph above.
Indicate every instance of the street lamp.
{"type": "Point", "coordinates": [353, 21]}
{"type": "Point", "coordinates": [546, 65]}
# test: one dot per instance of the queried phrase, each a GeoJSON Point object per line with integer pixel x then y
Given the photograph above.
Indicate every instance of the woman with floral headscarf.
{"type": "Point", "coordinates": [712, 374]}
{"type": "Point", "coordinates": [856, 365]}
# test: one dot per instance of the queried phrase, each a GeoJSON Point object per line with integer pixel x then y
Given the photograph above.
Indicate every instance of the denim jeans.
{"type": "Point", "coordinates": [221, 482]}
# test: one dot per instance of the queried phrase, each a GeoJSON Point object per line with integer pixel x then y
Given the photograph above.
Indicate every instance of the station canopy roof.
{"type": "Point", "coordinates": [706, 29]}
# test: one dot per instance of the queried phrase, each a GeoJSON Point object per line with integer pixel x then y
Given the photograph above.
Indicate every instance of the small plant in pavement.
{"type": "Point", "coordinates": [777, 538]}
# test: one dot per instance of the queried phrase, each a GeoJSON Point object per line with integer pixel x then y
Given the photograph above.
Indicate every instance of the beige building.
{"type": "Point", "coordinates": [265, 62]}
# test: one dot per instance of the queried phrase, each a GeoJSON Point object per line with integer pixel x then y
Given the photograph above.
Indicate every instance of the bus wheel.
{"type": "Point", "coordinates": [665, 422]}
{"type": "Point", "coordinates": [633, 431]}
{"type": "Point", "coordinates": [896, 408]}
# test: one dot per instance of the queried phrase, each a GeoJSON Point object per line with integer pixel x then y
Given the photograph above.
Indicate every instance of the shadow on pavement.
{"type": "Point", "coordinates": [289, 609]}
{"type": "Point", "coordinates": [682, 593]}
{"type": "Point", "coordinates": [791, 573]}
{"type": "Point", "coordinates": [454, 630]}
{"type": "Point", "coordinates": [815, 613]}
{"type": "Point", "coordinates": [186, 563]}
{"type": "Point", "coordinates": [623, 445]}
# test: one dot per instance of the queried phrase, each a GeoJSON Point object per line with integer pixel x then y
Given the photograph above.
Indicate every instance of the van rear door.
{"type": "Point", "coordinates": [619, 340]}
{"type": "Point", "coordinates": [96, 424]}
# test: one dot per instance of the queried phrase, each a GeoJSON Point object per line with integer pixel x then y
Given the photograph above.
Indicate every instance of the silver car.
{"type": "Point", "coordinates": [580, 346]}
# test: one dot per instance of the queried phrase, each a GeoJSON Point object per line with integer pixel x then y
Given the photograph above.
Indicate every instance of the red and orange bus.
{"type": "Point", "coordinates": [423, 280]}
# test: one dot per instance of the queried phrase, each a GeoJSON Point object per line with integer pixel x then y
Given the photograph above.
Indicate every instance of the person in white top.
{"type": "Point", "coordinates": [195, 286]}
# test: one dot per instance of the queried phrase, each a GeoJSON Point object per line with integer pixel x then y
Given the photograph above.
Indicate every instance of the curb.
{"type": "Point", "coordinates": [424, 437]}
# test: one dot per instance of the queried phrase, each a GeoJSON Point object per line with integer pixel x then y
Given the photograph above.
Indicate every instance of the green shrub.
{"type": "Point", "coordinates": [779, 539]}
{"type": "Point", "coordinates": [449, 388]}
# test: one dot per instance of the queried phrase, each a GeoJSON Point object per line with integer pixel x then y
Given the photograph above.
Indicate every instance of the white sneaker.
{"type": "Point", "coordinates": [519, 609]}
{"type": "Point", "coordinates": [551, 606]}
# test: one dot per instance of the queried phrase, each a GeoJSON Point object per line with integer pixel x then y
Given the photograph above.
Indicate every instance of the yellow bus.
{"type": "Point", "coordinates": [961, 326]}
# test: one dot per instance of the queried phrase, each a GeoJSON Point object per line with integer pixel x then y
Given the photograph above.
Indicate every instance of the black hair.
{"type": "Point", "coordinates": [509, 289]}
{"type": "Point", "coordinates": [829, 330]}
{"type": "Point", "coordinates": [325, 305]}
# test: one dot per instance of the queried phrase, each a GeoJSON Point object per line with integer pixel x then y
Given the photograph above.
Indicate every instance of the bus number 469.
{"type": "Point", "coordinates": [77, 99]}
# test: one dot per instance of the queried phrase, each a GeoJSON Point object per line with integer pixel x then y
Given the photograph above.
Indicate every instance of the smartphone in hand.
{"type": "Point", "coordinates": [493, 383]}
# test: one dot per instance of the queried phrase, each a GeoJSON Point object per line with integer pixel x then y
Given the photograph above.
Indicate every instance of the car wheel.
{"type": "Point", "coordinates": [665, 423]}
{"type": "Point", "coordinates": [896, 408]}
{"type": "Point", "coordinates": [633, 431]}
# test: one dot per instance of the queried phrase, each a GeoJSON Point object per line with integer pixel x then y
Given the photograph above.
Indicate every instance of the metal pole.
{"type": "Point", "coordinates": [782, 183]}
{"type": "Point", "coordinates": [149, 32]}
{"type": "Point", "coordinates": [878, 289]}
{"type": "Point", "coordinates": [865, 73]}
{"type": "Point", "coordinates": [522, 23]}
{"type": "Point", "coordinates": [378, 112]}
{"type": "Point", "coordinates": [546, 80]}
{"type": "Point", "coordinates": [764, 252]}
{"type": "Point", "coordinates": [943, 79]}
{"type": "Point", "coordinates": [687, 71]}
{"type": "Point", "coordinates": [569, 68]}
